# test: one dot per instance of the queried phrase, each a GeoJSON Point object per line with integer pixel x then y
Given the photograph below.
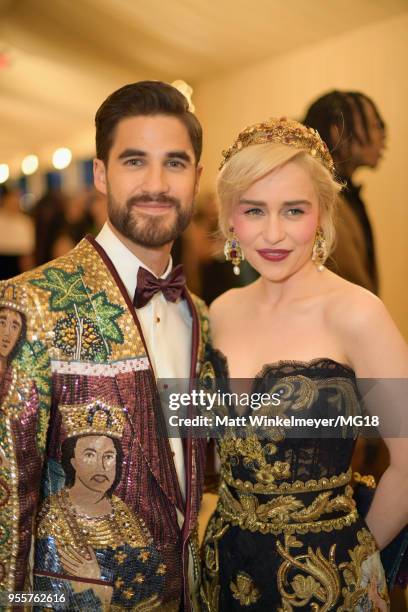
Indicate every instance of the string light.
{"type": "Point", "coordinates": [4, 173]}
{"type": "Point", "coordinates": [29, 164]}
{"type": "Point", "coordinates": [61, 158]}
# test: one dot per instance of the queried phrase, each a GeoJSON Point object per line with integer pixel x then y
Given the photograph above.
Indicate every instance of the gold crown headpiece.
{"type": "Point", "coordinates": [12, 296]}
{"type": "Point", "coordinates": [94, 418]}
{"type": "Point", "coordinates": [283, 131]}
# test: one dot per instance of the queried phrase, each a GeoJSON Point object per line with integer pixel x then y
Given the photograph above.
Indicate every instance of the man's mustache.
{"type": "Point", "coordinates": [162, 198]}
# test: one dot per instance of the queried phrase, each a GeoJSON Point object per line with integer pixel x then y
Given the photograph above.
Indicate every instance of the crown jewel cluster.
{"type": "Point", "coordinates": [95, 418]}
{"type": "Point", "coordinates": [282, 131]}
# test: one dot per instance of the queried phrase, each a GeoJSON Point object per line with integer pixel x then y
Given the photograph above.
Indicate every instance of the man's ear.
{"type": "Point", "coordinates": [199, 171]}
{"type": "Point", "coordinates": [99, 172]}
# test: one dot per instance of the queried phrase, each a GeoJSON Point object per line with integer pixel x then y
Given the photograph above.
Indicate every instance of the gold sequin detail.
{"type": "Point", "coordinates": [94, 418]}
{"type": "Point", "coordinates": [59, 520]}
{"type": "Point", "coordinates": [95, 275]}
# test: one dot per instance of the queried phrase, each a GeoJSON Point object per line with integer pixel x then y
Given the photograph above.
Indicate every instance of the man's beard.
{"type": "Point", "coordinates": [144, 229]}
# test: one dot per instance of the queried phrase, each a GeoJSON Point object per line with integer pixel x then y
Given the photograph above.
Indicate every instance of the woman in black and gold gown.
{"type": "Point", "coordinates": [286, 534]}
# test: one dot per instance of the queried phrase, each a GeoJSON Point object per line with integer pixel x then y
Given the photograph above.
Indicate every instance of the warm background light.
{"type": "Point", "coordinates": [4, 173]}
{"type": "Point", "coordinates": [29, 165]}
{"type": "Point", "coordinates": [61, 158]}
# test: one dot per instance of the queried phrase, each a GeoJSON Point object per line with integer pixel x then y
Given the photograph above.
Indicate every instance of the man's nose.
{"type": "Point", "coordinates": [154, 180]}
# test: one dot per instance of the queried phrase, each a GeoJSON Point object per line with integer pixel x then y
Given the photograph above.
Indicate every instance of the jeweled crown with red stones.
{"type": "Point", "coordinates": [283, 131]}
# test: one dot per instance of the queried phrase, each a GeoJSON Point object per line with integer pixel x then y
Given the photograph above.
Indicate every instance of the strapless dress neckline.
{"type": "Point", "coordinates": [281, 364]}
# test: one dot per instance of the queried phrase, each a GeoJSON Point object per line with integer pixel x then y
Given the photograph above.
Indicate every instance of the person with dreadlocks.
{"type": "Point", "coordinates": [354, 131]}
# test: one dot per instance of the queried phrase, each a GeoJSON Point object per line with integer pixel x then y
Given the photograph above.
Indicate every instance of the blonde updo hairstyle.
{"type": "Point", "coordinates": [256, 161]}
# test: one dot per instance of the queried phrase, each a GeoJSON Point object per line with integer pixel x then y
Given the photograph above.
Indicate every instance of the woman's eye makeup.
{"type": "Point", "coordinates": [295, 212]}
{"type": "Point", "coordinates": [254, 211]}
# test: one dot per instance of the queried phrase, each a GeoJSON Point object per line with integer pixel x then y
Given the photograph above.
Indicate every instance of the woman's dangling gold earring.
{"type": "Point", "coordinates": [233, 251]}
{"type": "Point", "coordinates": [319, 253]}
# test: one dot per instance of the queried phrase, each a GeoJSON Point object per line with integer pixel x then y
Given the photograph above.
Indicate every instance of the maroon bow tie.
{"type": "Point", "coordinates": [172, 287]}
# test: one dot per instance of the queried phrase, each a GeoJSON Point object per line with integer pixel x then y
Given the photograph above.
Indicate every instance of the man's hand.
{"type": "Point", "coordinates": [81, 565]}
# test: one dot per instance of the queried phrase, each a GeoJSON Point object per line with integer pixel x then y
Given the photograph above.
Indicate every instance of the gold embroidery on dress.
{"type": "Point", "coordinates": [299, 486]}
{"type": "Point", "coordinates": [210, 589]}
{"type": "Point", "coordinates": [364, 576]}
{"type": "Point", "coordinates": [286, 513]}
{"type": "Point", "coordinates": [244, 589]}
{"type": "Point", "coordinates": [322, 580]}
{"type": "Point", "coordinates": [296, 393]}
{"type": "Point", "coordinates": [254, 457]}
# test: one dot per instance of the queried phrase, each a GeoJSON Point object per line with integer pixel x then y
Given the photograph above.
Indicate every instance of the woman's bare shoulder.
{"type": "Point", "coordinates": [370, 338]}
{"type": "Point", "coordinates": [352, 308]}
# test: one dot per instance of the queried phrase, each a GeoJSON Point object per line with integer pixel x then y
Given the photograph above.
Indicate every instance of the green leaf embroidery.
{"type": "Point", "coordinates": [104, 315]}
{"type": "Point", "coordinates": [66, 288]}
{"type": "Point", "coordinates": [33, 360]}
{"type": "Point", "coordinates": [90, 323]}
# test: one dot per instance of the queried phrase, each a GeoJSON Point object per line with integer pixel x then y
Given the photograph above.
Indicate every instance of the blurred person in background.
{"type": "Point", "coordinates": [77, 215]}
{"type": "Point", "coordinates": [62, 221]}
{"type": "Point", "coordinates": [351, 125]}
{"type": "Point", "coordinates": [48, 215]}
{"type": "Point", "coordinates": [97, 210]}
{"type": "Point", "coordinates": [201, 250]}
{"type": "Point", "coordinates": [354, 131]}
{"type": "Point", "coordinates": [16, 235]}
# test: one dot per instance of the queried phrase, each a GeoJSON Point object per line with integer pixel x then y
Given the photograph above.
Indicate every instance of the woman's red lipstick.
{"type": "Point", "coordinates": [273, 254]}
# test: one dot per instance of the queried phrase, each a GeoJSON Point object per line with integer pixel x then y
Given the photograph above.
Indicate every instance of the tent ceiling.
{"type": "Point", "coordinates": [59, 59]}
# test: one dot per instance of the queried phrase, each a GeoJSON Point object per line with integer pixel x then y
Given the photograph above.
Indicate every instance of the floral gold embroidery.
{"type": "Point", "coordinates": [364, 576]}
{"type": "Point", "coordinates": [298, 486]}
{"type": "Point", "coordinates": [286, 513]}
{"type": "Point", "coordinates": [244, 589]}
{"type": "Point", "coordinates": [210, 589]}
{"type": "Point", "coordinates": [322, 580]}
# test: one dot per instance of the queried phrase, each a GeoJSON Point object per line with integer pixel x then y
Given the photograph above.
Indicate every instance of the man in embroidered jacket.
{"type": "Point", "coordinates": [86, 474]}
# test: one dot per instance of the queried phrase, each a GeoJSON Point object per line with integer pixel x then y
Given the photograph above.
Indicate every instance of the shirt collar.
{"type": "Point", "coordinates": [125, 262]}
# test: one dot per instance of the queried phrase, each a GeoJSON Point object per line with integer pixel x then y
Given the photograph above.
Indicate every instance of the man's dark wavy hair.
{"type": "Point", "coordinates": [146, 98]}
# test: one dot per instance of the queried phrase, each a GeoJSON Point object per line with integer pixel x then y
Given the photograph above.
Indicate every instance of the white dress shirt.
{"type": "Point", "coordinates": [166, 326]}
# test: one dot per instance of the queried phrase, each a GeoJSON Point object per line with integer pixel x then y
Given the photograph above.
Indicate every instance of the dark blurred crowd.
{"type": "Point", "coordinates": [53, 226]}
